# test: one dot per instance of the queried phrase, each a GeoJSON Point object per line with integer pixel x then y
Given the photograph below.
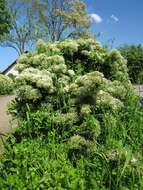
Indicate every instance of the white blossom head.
{"type": "Point", "coordinates": [41, 46]}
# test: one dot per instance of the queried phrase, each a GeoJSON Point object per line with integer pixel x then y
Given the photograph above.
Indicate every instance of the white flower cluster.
{"type": "Point", "coordinates": [37, 78]}
{"type": "Point", "coordinates": [86, 44]}
{"type": "Point", "coordinates": [59, 69]}
{"type": "Point", "coordinates": [87, 84]}
{"type": "Point", "coordinates": [68, 47]}
{"type": "Point", "coordinates": [6, 85]}
{"type": "Point", "coordinates": [54, 49]}
{"type": "Point", "coordinates": [80, 144]}
{"type": "Point", "coordinates": [24, 62]}
{"type": "Point", "coordinates": [56, 59]}
{"type": "Point", "coordinates": [118, 66]}
{"type": "Point", "coordinates": [71, 73]}
{"type": "Point", "coordinates": [44, 72]}
{"type": "Point", "coordinates": [48, 72]}
{"type": "Point", "coordinates": [99, 91]}
{"type": "Point", "coordinates": [64, 80]}
{"type": "Point", "coordinates": [86, 53]}
{"type": "Point", "coordinates": [39, 59]}
{"type": "Point", "coordinates": [41, 46]}
{"type": "Point", "coordinates": [85, 110]}
{"type": "Point", "coordinates": [23, 59]}
{"type": "Point", "coordinates": [21, 67]}
{"type": "Point", "coordinates": [68, 118]}
{"type": "Point", "coordinates": [116, 88]}
{"type": "Point", "coordinates": [105, 99]}
{"type": "Point", "coordinates": [27, 92]}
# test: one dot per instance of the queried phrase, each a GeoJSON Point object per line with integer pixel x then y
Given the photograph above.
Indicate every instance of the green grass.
{"type": "Point", "coordinates": [41, 159]}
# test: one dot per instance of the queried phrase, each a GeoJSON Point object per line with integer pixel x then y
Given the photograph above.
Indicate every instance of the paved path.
{"type": "Point", "coordinates": [4, 118]}
{"type": "Point", "coordinates": [5, 124]}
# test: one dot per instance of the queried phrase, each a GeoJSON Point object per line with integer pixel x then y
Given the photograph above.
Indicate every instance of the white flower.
{"type": "Point", "coordinates": [20, 67]}
{"type": "Point", "coordinates": [42, 79]}
{"type": "Point", "coordinates": [69, 47]}
{"type": "Point", "coordinates": [54, 49]}
{"type": "Point", "coordinates": [134, 161]}
{"type": "Point", "coordinates": [68, 118]}
{"type": "Point", "coordinates": [71, 72]}
{"type": "Point", "coordinates": [85, 52]}
{"type": "Point", "coordinates": [59, 69]}
{"type": "Point", "coordinates": [66, 89]}
{"type": "Point", "coordinates": [27, 92]}
{"type": "Point", "coordinates": [6, 84]}
{"type": "Point", "coordinates": [41, 46]}
{"type": "Point", "coordinates": [105, 99]}
{"type": "Point", "coordinates": [56, 59]}
{"type": "Point", "coordinates": [85, 110]}
{"type": "Point", "coordinates": [64, 80]}
{"type": "Point", "coordinates": [23, 59]}
{"type": "Point", "coordinates": [39, 60]}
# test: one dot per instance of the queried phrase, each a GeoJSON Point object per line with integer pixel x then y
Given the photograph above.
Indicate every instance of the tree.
{"type": "Point", "coordinates": [23, 32]}
{"type": "Point", "coordinates": [63, 19]}
{"type": "Point", "coordinates": [5, 18]}
{"type": "Point", "coordinates": [51, 20]}
{"type": "Point", "coordinates": [134, 56]}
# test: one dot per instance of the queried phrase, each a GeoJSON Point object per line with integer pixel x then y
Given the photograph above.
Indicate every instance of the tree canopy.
{"type": "Point", "coordinates": [62, 19]}
{"type": "Point", "coordinates": [51, 20]}
{"type": "Point", "coordinates": [23, 30]}
{"type": "Point", "coordinates": [134, 56]}
{"type": "Point", "coordinates": [5, 18]}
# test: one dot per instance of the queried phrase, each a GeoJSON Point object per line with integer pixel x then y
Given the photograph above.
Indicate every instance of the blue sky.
{"type": "Point", "coordinates": [121, 20]}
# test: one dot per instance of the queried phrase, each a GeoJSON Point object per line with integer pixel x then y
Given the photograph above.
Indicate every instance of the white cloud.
{"type": "Point", "coordinates": [116, 19]}
{"type": "Point", "coordinates": [95, 17]}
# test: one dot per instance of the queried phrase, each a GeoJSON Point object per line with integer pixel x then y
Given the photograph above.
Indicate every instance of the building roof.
{"type": "Point", "coordinates": [10, 66]}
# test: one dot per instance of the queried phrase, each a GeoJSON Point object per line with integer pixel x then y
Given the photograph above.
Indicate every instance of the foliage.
{"type": "Point", "coordinates": [134, 56]}
{"type": "Point", "coordinates": [47, 76]}
{"type": "Point", "coordinates": [113, 161]}
{"type": "Point", "coordinates": [80, 125]}
{"type": "Point", "coordinates": [52, 73]}
{"type": "Point", "coordinates": [49, 20]}
{"type": "Point", "coordinates": [37, 164]}
{"type": "Point", "coordinates": [5, 18]}
{"type": "Point", "coordinates": [24, 31]}
{"type": "Point", "coordinates": [62, 19]}
{"type": "Point", "coordinates": [6, 85]}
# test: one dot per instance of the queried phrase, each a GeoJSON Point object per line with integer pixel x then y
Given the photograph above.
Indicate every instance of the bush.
{"type": "Point", "coordinates": [134, 56]}
{"type": "Point", "coordinates": [88, 116]}
{"type": "Point", "coordinates": [97, 156]}
{"type": "Point", "coordinates": [49, 76]}
{"type": "Point", "coordinates": [53, 75]}
{"type": "Point", "coordinates": [6, 85]}
{"type": "Point", "coordinates": [74, 102]}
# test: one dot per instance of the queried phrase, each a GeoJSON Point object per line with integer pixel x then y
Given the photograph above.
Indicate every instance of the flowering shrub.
{"type": "Point", "coordinates": [6, 85]}
{"type": "Point", "coordinates": [77, 96]}
{"type": "Point", "coordinates": [50, 76]}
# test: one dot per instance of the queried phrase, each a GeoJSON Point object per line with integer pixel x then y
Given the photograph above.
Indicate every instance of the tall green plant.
{"type": "Point", "coordinates": [134, 56]}
{"type": "Point", "coordinates": [6, 85]}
